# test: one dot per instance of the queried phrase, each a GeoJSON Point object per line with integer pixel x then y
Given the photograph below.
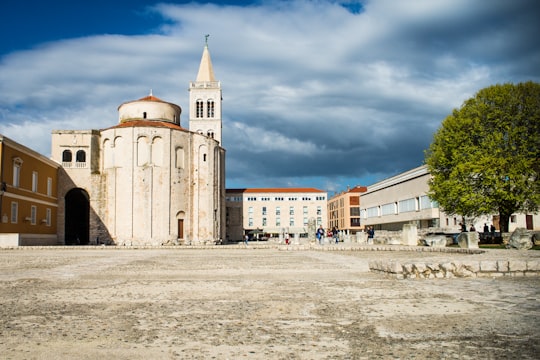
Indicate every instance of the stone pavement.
{"type": "Point", "coordinates": [260, 302]}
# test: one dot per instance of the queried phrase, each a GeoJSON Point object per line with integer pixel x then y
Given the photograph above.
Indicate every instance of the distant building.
{"type": "Point", "coordinates": [146, 180]}
{"type": "Point", "coordinates": [271, 212]}
{"type": "Point", "coordinates": [344, 210]}
{"type": "Point", "coordinates": [28, 196]}
{"type": "Point", "coordinates": [403, 199]}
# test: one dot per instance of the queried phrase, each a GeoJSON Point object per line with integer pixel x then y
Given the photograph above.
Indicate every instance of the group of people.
{"type": "Point", "coordinates": [321, 233]}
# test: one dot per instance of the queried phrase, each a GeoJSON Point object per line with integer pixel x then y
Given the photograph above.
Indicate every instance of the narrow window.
{"type": "Point", "coordinates": [48, 217]}
{"type": "Point", "coordinates": [199, 109]}
{"type": "Point", "coordinates": [204, 157]}
{"type": "Point", "coordinates": [14, 212]}
{"type": "Point", "coordinates": [144, 115]}
{"type": "Point", "coordinates": [34, 181]}
{"type": "Point", "coordinates": [16, 175]}
{"type": "Point", "coordinates": [49, 187]}
{"type": "Point", "coordinates": [210, 108]}
{"type": "Point", "coordinates": [33, 214]}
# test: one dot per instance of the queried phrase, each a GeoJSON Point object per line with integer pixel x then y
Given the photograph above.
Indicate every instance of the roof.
{"type": "Point", "coordinates": [206, 71]}
{"type": "Point", "coordinates": [276, 190]}
{"type": "Point", "coordinates": [147, 123]}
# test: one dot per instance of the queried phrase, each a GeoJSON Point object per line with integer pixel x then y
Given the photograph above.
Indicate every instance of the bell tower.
{"type": "Point", "coordinates": [205, 100]}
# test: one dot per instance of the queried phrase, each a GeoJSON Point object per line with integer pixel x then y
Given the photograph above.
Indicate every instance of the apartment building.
{"type": "Point", "coordinates": [344, 210]}
{"type": "Point", "coordinates": [28, 196]}
{"type": "Point", "coordinates": [271, 212]}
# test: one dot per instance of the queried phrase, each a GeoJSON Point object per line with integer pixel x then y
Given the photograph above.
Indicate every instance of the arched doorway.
{"type": "Point", "coordinates": [77, 217]}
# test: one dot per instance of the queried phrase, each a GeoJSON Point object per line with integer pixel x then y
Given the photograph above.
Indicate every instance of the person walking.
{"type": "Point", "coordinates": [335, 234]}
{"type": "Point", "coordinates": [246, 239]}
{"type": "Point", "coordinates": [320, 235]}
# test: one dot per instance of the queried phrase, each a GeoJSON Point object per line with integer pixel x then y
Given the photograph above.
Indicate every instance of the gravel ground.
{"type": "Point", "coordinates": [234, 303]}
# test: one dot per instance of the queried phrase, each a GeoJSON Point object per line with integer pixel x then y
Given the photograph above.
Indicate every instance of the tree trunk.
{"type": "Point", "coordinates": [504, 220]}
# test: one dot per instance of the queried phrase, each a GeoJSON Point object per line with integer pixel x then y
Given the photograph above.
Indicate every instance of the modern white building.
{"type": "Point", "coordinates": [146, 180]}
{"type": "Point", "coordinates": [271, 212]}
{"type": "Point", "coordinates": [403, 199]}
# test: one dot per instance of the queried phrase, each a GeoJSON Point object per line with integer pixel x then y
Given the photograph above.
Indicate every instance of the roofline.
{"type": "Point", "coordinates": [274, 190]}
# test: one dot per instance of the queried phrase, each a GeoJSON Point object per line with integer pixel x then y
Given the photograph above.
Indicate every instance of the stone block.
{"type": "Point", "coordinates": [361, 237]}
{"type": "Point", "coordinates": [488, 266]}
{"type": "Point", "coordinates": [502, 266]}
{"type": "Point", "coordinates": [521, 239]}
{"type": "Point", "coordinates": [409, 235]}
{"type": "Point", "coordinates": [468, 240]}
{"type": "Point", "coordinates": [533, 265]}
{"type": "Point", "coordinates": [517, 265]}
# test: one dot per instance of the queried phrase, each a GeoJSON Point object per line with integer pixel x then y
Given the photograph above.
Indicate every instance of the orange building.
{"type": "Point", "coordinates": [28, 196]}
{"type": "Point", "coordinates": [344, 210]}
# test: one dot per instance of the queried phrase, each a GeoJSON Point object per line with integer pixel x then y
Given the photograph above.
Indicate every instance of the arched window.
{"type": "Point", "coordinates": [210, 108]}
{"type": "Point", "coordinates": [67, 156]}
{"type": "Point", "coordinates": [199, 108]}
{"type": "Point", "coordinates": [144, 115]}
{"type": "Point", "coordinates": [81, 156]}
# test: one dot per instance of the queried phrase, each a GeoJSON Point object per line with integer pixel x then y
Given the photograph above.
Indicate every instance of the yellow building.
{"type": "Point", "coordinates": [344, 210]}
{"type": "Point", "coordinates": [28, 196]}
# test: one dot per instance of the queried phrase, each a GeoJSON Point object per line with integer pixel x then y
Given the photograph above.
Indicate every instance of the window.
{"type": "Point", "coordinates": [33, 214]}
{"type": "Point", "coordinates": [291, 222]}
{"type": "Point", "coordinates": [320, 198]}
{"type": "Point", "coordinates": [199, 109]}
{"type": "Point", "coordinates": [14, 212]}
{"type": "Point", "coordinates": [279, 198]}
{"type": "Point", "coordinates": [250, 222]}
{"type": "Point", "coordinates": [250, 210]}
{"type": "Point", "coordinates": [144, 115]}
{"type": "Point", "coordinates": [373, 212]}
{"type": "Point", "coordinates": [305, 220]}
{"type": "Point", "coordinates": [278, 210]}
{"type": "Point", "coordinates": [66, 156]}
{"type": "Point", "coordinates": [513, 219]}
{"type": "Point", "coordinates": [204, 157]}
{"type": "Point", "coordinates": [264, 210]}
{"type": "Point", "coordinates": [49, 186]}
{"type": "Point", "coordinates": [319, 210]}
{"type": "Point", "coordinates": [305, 210]}
{"type": "Point", "coordinates": [251, 198]}
{"type": "Point", "coordinates": [354, 211]}
{"type": "Point", "coordinates": [48, 217]}
{"type": "Point", "coordinates": [293, 199]}
{"type": "Point", "coordinates": [291, 210]}
{"type": "Point", "coordinates": [264, 221]}
{"type": "Point", "coordinates": [210, 108]}
{"type": "Point", "coordinates": [319, 220]}
{"type": "Point", "coordinates": [34, 181]}
{"type": "Point", "coordinates": [355, 221]}
{"type": "Point", "coordinates": [17, 163]}
{"type": "Point", "coordinates": [407, 205]}
{"type": "Point", "coordinates": [278, 221]}
{"type": "Point", "coordinates": [388, 209]}
{"type": "Point", "coordinates": [80, 157]}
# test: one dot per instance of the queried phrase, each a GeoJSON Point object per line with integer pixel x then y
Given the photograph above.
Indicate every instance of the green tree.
{"type": "Point", "coordinates": [485, 158]}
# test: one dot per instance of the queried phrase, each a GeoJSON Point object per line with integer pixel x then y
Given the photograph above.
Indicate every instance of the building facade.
{"type": "Point", "coordinates": [344, 210]}
{"type": "Point", "coordinates": [28, 196]}
{"type": "Point", "coordinates": [146, 180]}
{"type": "Point", "coordinates": [403, 199]}
{"type": "Point", "coordinates": [274, 212]}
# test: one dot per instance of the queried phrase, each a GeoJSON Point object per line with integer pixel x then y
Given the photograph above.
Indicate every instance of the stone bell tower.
{"type": "Point", "coordinates": [205, 100]}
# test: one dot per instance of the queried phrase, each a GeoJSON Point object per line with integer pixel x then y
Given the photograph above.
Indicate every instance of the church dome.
{"type": "Point", "coordinates": [149, 108]}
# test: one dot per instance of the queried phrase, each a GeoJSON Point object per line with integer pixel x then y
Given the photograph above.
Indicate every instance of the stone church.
{"type": "Point", "coordinates": [146, 180]}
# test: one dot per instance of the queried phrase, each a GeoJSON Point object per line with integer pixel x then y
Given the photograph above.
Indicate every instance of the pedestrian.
{"type": "Point", "coordinates": [463, 227]}
{"type": "Point", "coordinates": [486, 228]}
{"type": "Point", "coordinates": [472, 229]}
{"type": "Point", "coordinates": [492, 229]}
{"type": "Point", "coordinates": [370, 232]}
{"type": "Point", "coordinates": [246, 239]}
{"type": "Point", "coordinates": [320, 234]}
{"type": "Point", "coordinates": [335, 234]}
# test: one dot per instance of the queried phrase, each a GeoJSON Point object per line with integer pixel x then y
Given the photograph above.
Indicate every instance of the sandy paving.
{"type": "Point", "coordinates": [254, 304]}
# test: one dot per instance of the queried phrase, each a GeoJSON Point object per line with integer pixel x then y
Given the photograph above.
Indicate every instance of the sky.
{"type": "Point", "coordinates": [324, 93]}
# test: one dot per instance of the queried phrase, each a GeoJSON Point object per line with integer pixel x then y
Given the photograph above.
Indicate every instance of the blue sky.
{"type": "Point", "coordinates": [320, 93]}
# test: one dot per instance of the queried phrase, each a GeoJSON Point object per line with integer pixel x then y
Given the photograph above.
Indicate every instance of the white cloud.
{"type": "Point", "coordinates": [306, 84]}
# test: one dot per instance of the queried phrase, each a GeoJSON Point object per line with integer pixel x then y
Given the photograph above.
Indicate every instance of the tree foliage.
{"type": "Point", "coordinates": [485, 158]}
